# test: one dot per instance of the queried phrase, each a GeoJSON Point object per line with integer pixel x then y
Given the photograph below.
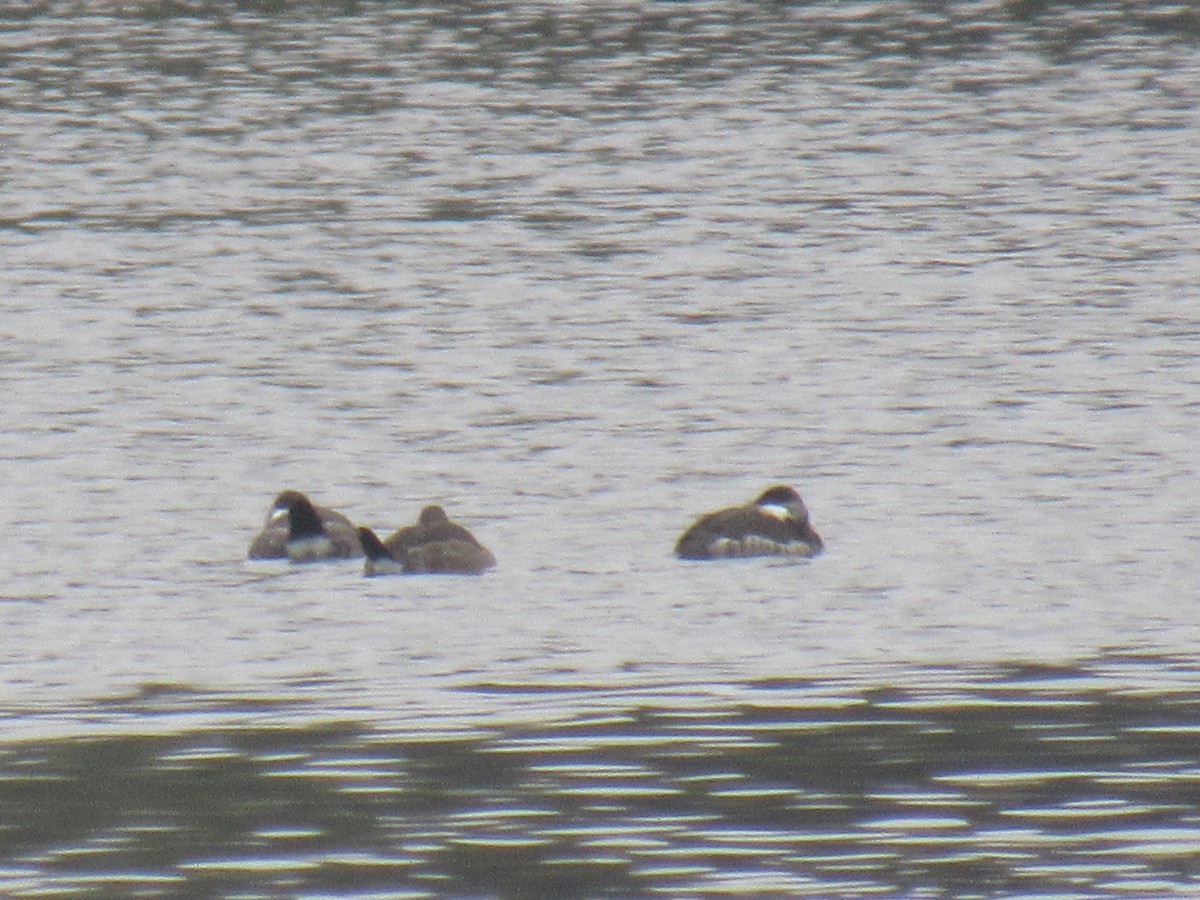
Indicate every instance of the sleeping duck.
{"type": "Point", "coordinates": [434, 545]}
{"type": "Point", "coordinates": [776, 524]}
{"type": "Point", "coordinates": [298, 530]}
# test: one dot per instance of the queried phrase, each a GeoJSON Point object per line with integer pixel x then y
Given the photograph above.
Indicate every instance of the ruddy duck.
{"type": "Point", "coordinates": [434, 545]}
{"type": "Point", "coordinates": [776, 524]}
{"type": "Point", "coordinates": [296, 529]}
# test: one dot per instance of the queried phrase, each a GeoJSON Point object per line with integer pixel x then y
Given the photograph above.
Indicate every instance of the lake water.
{"type": "Point", "coordinates": [579, 272]}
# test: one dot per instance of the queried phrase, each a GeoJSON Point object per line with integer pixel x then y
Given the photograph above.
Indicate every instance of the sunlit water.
{"type": "Point", "coordinates": [579, 273]}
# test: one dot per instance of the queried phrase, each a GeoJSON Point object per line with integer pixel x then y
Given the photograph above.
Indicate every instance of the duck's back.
{"type": "Point", "coordinates": [742, 531]}
{"type": "Point", "coordinates": [433, 526]}
{"type": "Point", "coordinates": [450, 557]}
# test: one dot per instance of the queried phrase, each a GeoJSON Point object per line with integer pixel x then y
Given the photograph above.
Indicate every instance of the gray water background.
{"type": "Point", "coordinates": [579, 272]}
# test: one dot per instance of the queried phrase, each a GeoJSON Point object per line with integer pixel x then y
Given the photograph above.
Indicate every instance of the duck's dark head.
{"type": "Point", "coordinates": [433, 515]}
{"type": "Point", "coordinates": [303, 521]}
{"type": "Point", "coordinates": [785, 503]}
{"type": "Point", "coordinates": [373, 547]}
{"type": "Point", "coordinates": [282, 505]}
{"type": "Point", "coordinates": [380, 560]}
{"type": "Point", "coordinates": [782, 501]}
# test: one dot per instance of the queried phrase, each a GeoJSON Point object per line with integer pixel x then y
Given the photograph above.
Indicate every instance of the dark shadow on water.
{"type": "Point", "coordinates": [1028, 781]}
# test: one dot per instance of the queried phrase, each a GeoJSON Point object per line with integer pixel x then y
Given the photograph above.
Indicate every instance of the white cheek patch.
{"type": "Point", "coordinates": [278, 515]}
{"type": "Point", "coordinates": [776, 511]}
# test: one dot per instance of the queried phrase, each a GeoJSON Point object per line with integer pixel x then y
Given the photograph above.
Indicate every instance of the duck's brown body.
{"type": "Point", "coordinates": [776, 524]}
{"type": "Point", "coordinates": [435, 545]}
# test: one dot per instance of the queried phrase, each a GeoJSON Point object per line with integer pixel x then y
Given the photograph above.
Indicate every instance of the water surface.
{"type": "Point", "coordinates": [578, 273]}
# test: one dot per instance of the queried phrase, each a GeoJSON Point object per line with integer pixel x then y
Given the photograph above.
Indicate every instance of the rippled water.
{"type": "Point", "coordinates": [578, 273]}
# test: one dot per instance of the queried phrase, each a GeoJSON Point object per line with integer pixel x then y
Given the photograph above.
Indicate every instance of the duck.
{"type": "Point", "coordinates": [435, 545]}
{"type": "Point", "coordinates": [775, 524]}
{"type": "Point", "coordinates": [301, 531]}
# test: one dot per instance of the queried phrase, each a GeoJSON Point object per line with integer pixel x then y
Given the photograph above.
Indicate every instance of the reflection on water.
{"type": "Point", "coordinates": [1017, 780]}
